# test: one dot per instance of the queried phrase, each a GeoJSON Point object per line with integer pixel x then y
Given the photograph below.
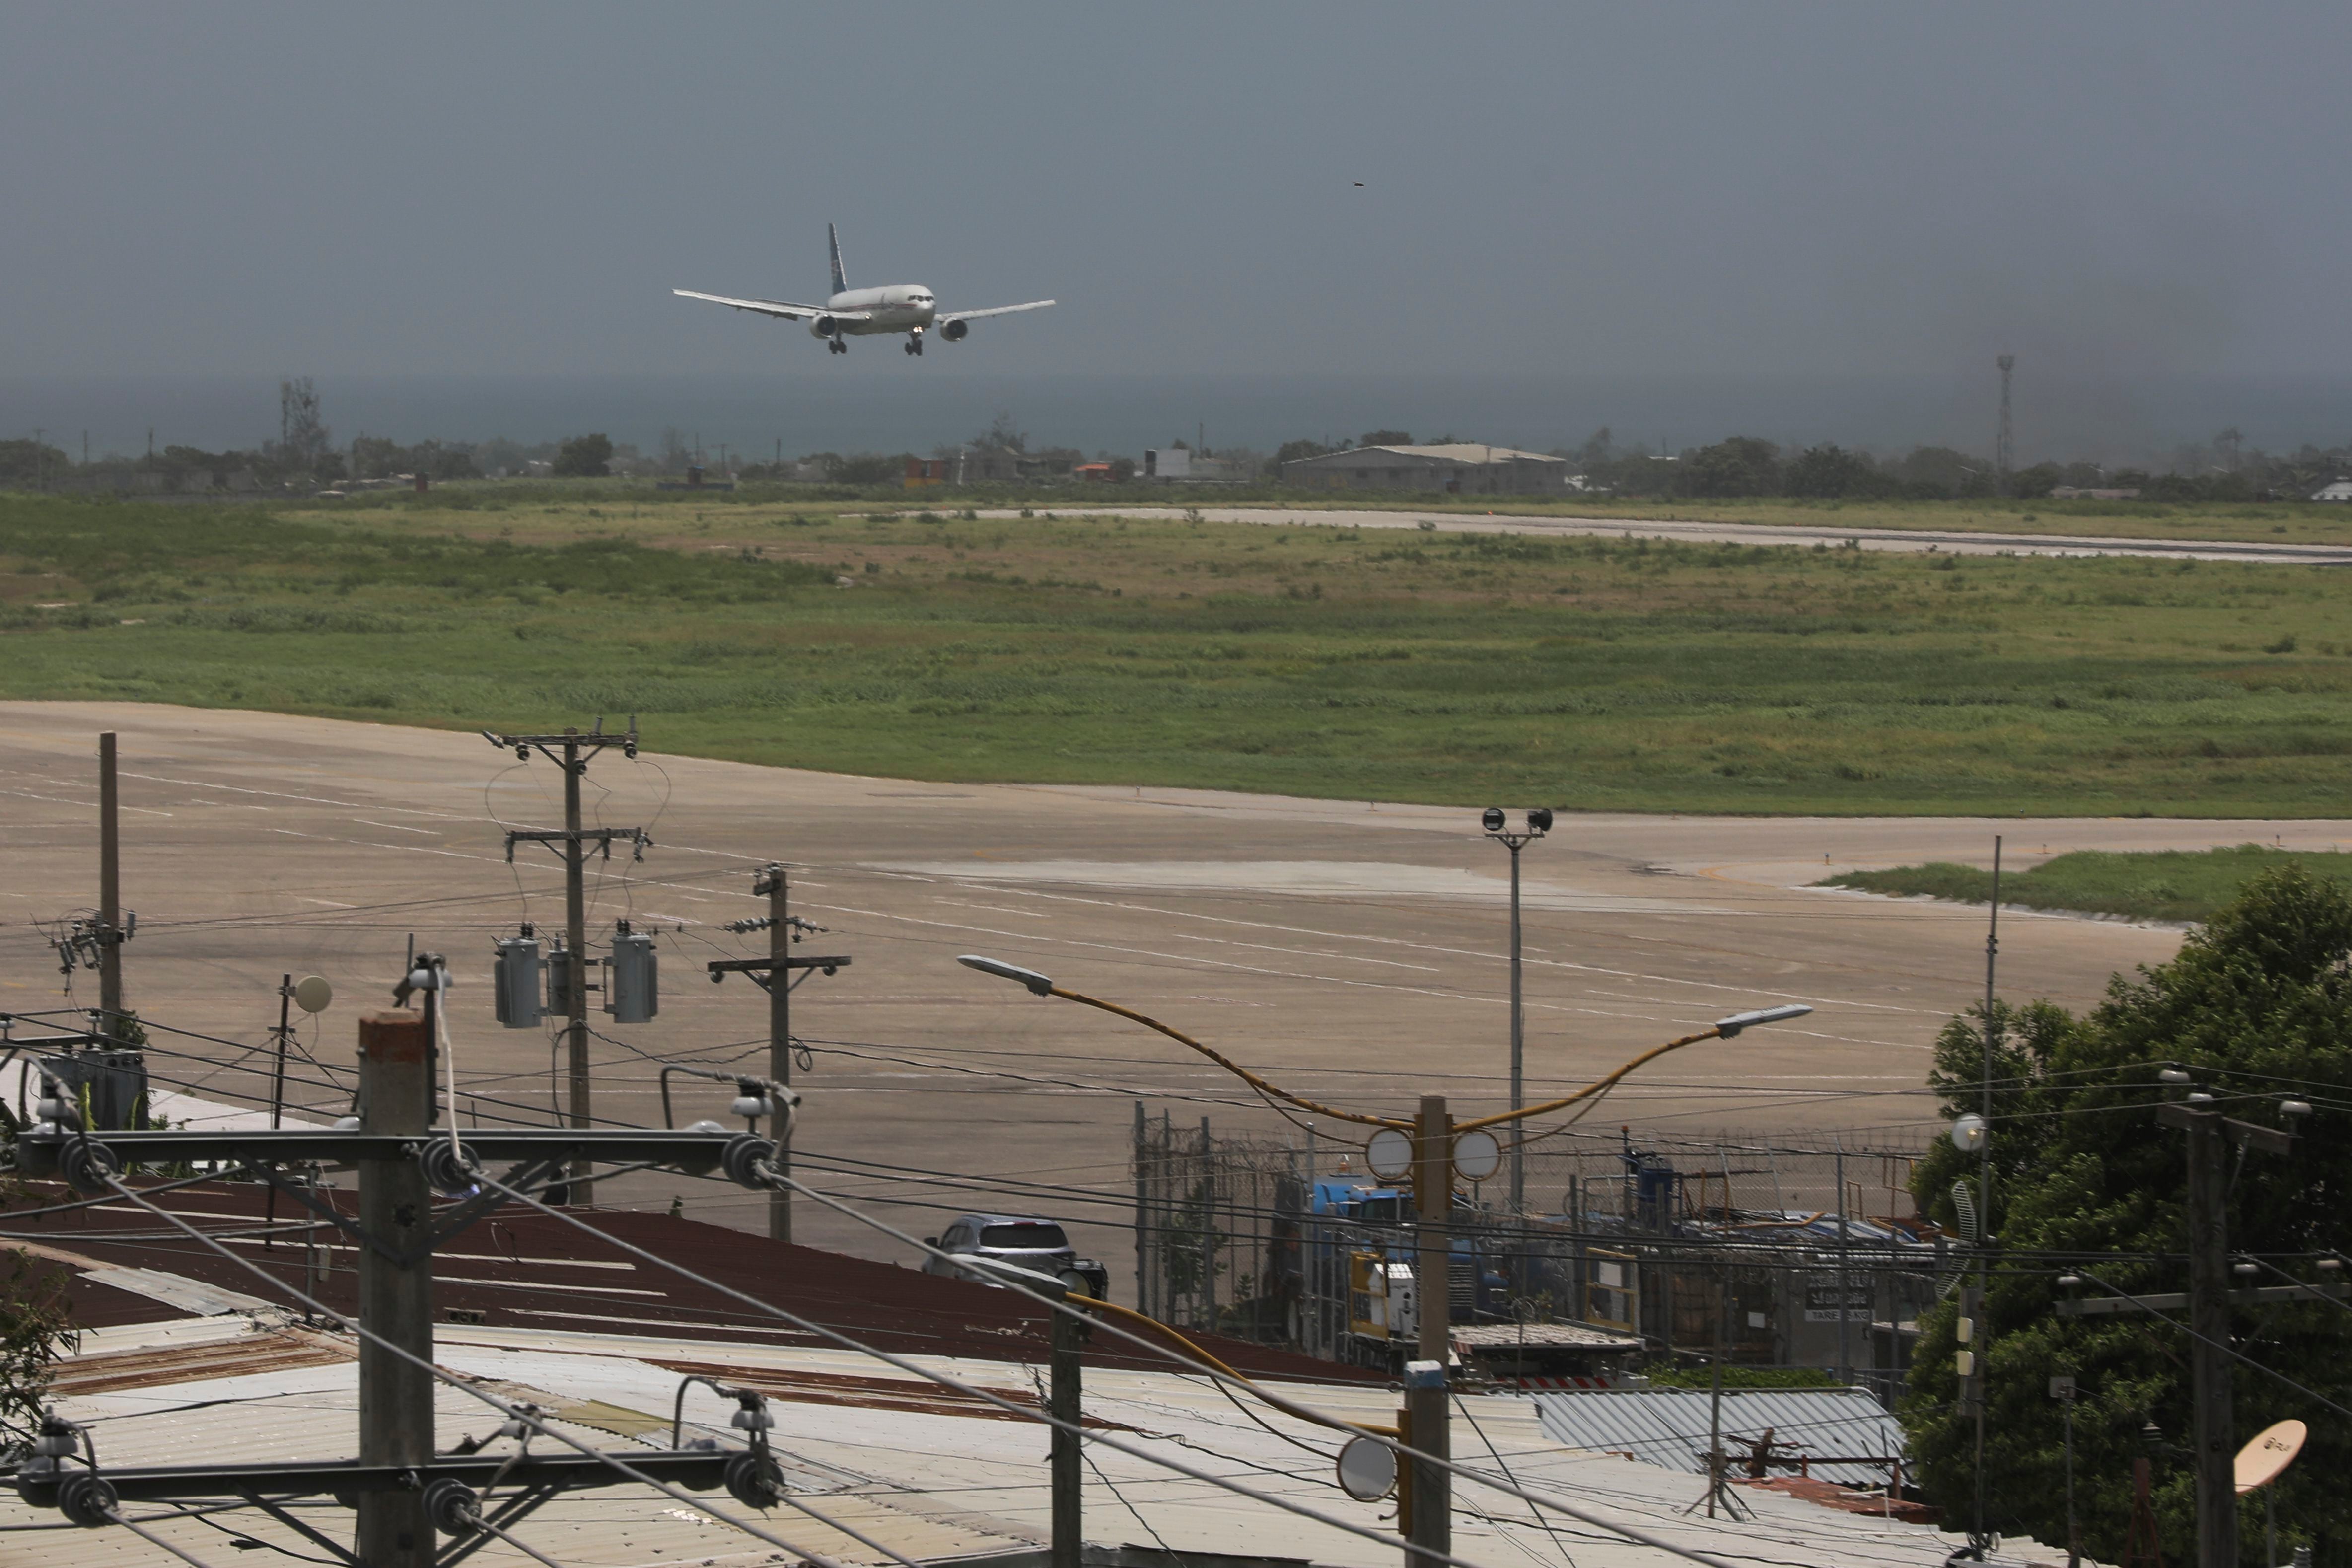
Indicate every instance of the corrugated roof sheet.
{"type": "Point", "coordinates": [1670, 1427]}
{"type": "Point", "coordinates": [933, 1485]}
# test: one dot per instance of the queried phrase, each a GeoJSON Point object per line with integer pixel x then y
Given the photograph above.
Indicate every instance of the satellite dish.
{"type": "Point", "coordinates": [2272, 1450]}
{"type": "Point", "coordinates": [1387, 1154]}
{"type": "Point", "coordinates": [1967, 1133]}
{"type": "Point", "coordinates": [1367, 1470]}
{"type": "Point", "coordinates": [311, 994]}
{"type": "Point", "coordinates": [1477, 1155]}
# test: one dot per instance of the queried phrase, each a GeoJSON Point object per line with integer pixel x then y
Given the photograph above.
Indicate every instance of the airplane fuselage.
{"type": "Point", "coordinates": [896, 308]}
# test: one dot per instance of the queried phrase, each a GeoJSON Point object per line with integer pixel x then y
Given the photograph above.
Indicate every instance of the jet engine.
{"type": "Point", "coordinates": [825, 327]}
{"type": "Point", "coordinates": [954, 331]}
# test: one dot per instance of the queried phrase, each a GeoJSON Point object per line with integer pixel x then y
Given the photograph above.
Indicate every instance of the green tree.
{"type": "Point", "coordinates": [2257, 1005]}
{"type": "Point", "coordinates": [1386, 438]}
{"type": "Point", "coordinates": [36, 1327]}
{"type": "Point", "coordinates": [1829, 472]}
{"type": "Point", "coordinates": [584, 456]}
{"type": "Point", "coordinates": [1742, 466]}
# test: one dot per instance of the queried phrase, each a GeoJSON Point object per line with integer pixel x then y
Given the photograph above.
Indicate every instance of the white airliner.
{"type": "Point", "coordinates": [906, 308]}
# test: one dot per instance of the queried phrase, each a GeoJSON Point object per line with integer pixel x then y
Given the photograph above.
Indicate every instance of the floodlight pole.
{"type": "Point", "coordinates": [1538, 822]}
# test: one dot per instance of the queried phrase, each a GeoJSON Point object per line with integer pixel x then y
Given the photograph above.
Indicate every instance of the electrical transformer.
{"type": "Point", "coordinates": [517, 977]}
{"type": "Point", "coordinates": [559, 979]}
{"type": "Point", "coordinates": [632, 990]}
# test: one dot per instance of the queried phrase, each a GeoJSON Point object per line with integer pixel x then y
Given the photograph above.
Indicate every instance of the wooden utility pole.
{"type": "Point", "coordinates": [110, 890]}
{"type": "Point", "coordinates": [2208, 1322]}
{"type": "Point", "coordinates": [1064, 1405]}
{"type": "Point", "coordinates": [1426, 1396]}
{"type": "Point", "coordinates": [774, 974]}
{"type": "Point", "coordinates": [396, 1298]}
{"type": "Point", "coordinates": [575, 943]}
{"type": "Point", "coordinates": [570, 751]}
{"type": "Point", "coordinates": [776, 884]}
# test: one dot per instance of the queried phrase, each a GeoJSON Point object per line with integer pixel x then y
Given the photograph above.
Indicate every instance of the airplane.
{"type": "Point", "coordinates": [908, 307]}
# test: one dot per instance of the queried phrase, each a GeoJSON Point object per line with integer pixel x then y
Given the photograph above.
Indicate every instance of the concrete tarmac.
{"type": "Point", "coordinates": [1905, 540]}
{"type": "Point", "coordinates": [1351, 951]}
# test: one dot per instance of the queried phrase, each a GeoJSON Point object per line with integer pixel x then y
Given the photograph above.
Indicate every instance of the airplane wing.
{"type": "Point", "coordinates": [999, 310]}
{"type": "Point", "coordinates": [790, 312]}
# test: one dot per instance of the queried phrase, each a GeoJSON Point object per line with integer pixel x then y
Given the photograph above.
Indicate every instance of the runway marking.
{"type": "Point", "coordinates": [1631, 974]}
{"type": "Point", "coordinates": [331, 903]}
{"type": "Point", "coordinates": [397, 827]}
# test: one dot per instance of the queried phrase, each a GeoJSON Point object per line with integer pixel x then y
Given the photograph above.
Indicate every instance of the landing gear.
{"type": "Point", "coordinates": [914, 342]}
{"type": "Point", "coordinates": [834, 345]}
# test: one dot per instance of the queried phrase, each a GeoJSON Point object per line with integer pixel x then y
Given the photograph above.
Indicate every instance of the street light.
{"type": "Point", "coordinates": [1437, 1143]}
{"type": "Point", "coordinates": [1538, 823]}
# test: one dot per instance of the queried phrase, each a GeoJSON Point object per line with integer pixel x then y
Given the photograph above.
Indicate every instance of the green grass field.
{"type": "Point", "coordinates": [1370, 665]}
{"type": "Point", "coordinates": [2162, 885]}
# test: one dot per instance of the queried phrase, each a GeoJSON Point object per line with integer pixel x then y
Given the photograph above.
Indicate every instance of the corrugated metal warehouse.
{"type": "Point", "coordinates": [1460, 469]}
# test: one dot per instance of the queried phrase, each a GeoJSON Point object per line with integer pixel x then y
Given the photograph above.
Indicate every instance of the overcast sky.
{"type": "Point", "coordinates": [2108, 190]}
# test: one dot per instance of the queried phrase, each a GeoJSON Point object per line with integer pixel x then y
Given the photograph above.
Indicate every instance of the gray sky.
{"type": "Point", "coordinates": [2113, 191]}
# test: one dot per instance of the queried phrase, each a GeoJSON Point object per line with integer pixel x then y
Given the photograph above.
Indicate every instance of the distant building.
{"type": "Point", "coordinates": [2341, 491]}
{"type": "Point", "coordinates": [1098, 471]}
{"type": "Point", "coordinates": [1181, 466]}
{"type": "Point", "coordinates": [1463, 469]}
{"type": "Point", "coordinates": [923, 472]}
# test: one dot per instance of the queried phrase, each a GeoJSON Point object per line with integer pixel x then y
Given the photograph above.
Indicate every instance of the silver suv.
{"type": "Point", "coordinates": [1028, 1241]}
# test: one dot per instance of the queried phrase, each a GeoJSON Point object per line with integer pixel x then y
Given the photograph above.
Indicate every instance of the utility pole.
{"type": "Point", "coordinates": [774, 973]}
{"type": "Point", "coordinates": [1980, 1361]}
{"type": "Point", "coordinates": [776, 885]}
{"type": "Point", "coordinates": [2209, 1321]}
{"type": "Point", "coordinates": [396, 1294]}
{"type": "Point", "coordinates": [1426, 1397]}
{"type": "Point", "coordinates": [570, 751]}
{"type": "Point", "coordinates": [2062, 1389]}
{"type": "Point", "coordinates": [1066, 1407]}
{"type": "Point", "coordinates": [110, 891]}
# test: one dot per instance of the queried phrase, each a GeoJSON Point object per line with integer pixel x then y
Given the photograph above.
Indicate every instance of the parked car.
{"type": "Point", "coordinates": [1027, 1241]}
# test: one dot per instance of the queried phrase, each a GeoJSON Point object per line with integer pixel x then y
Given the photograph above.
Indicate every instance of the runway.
{"type": "Point", "coordinates": [1904, 541]}
{"type": "Point", "coordinates": [1351, 951]}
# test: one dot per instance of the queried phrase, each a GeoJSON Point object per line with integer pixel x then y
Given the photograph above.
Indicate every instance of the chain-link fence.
{"type": "Point", "coordinates": [1634, 1249]}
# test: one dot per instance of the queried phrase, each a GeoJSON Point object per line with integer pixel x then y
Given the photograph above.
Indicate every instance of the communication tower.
{"type": "Point", "coordinates": [2002, 454]}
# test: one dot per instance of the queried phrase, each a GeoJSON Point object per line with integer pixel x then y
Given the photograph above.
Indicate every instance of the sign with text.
{"type": "Point", "coordinates": [1821, 1304]}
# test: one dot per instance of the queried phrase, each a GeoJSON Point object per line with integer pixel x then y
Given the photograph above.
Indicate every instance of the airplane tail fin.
{"type": "Point", "coordinates": [833, 239]}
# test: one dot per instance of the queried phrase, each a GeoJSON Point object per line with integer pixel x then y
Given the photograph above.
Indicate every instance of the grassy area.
{"type": "Point", "coordinates": [1595, 674]}
{"type": "Point", "coordinates": [2164, 885]}
{"type": "Point", "coordinates": [630, 505]}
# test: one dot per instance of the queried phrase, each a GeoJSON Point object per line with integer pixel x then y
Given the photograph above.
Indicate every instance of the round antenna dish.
{"type": "Point", "coordinates": [311, 994]}
{"type": "Point", "coordinates": [2270, 1451]}
{"type": "Point", "coordinates": [1969, 1132]}
{"type": "Point", "coordinates": [1477, 1155]}
{"type": "Point", "coordinates": [1387, 1154]}
{"type": "Point", "coordinates": [1367, 1470]}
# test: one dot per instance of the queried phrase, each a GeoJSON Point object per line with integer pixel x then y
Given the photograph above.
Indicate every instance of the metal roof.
{"type": "Point", "coordinates": [927, 1479]}
{"type": "Point", "coordinates": [1468, 453]}
{"type": "Point", "coordinates": [1541, 1336]}
{"type": "Point", "coordinates": [1670, 1427]}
